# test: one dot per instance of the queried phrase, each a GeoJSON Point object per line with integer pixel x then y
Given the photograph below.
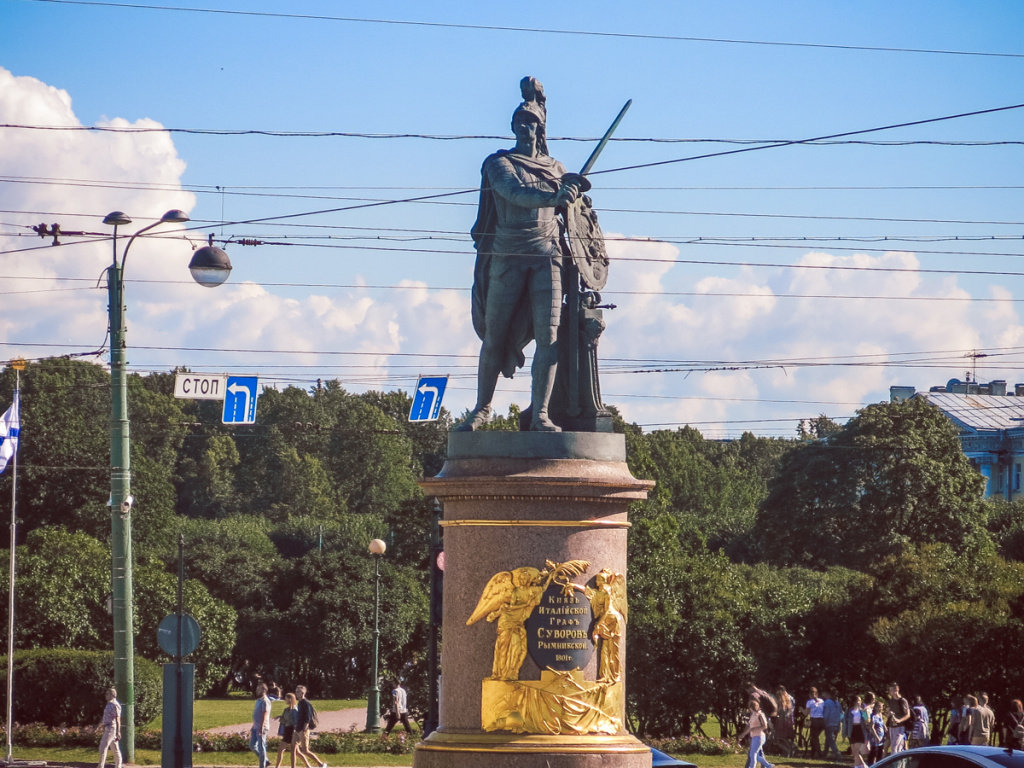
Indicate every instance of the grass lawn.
{"type": "Point", "coordinates": [213, 713]}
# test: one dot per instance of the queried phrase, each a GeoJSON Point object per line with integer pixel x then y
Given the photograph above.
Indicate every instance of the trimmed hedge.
{"type": "Point", "coordinates": [61, 687]}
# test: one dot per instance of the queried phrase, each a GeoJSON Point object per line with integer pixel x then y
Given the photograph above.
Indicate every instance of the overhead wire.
{"type": "Point", "coordinates": [870, 359]}
{"type": "Point", "coordinates": [537, 30]}
{"type": "Point", "coordinates": [776, 145]}
{"type": "Point", "coordinates": [240, 190]}
{"type": "Point", "coordinates": [503, 137]}
{"type": "Point", "coordinates": [893, 126]}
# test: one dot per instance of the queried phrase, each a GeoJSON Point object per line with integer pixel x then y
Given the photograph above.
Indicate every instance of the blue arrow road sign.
{"type": "Point", "coordinates": [426, 400]}
{"type": "Point", "coordinates": [240, 400]}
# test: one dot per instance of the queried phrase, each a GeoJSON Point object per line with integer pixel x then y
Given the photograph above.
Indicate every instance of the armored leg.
{"type": "Point", "coordinates": [546, 298]}
{"type": "Point", "coordinates": [545, 361]}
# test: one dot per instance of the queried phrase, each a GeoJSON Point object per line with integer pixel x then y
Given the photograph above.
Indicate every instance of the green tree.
{"type": "Point", "coordinates": [62, 580]}
{"type": "Point", "coordinates": [234, 558]}
{"type": "Point", "coordinates": [156, 596]}
{"type": "Point", "coordinates": [429, 439]}
{"type": "Point", "coordinates": [683, 633]}
{"type": "Point", "coordinates": [719, 484]}
{"type": "Point", "coordinates": [320, 630]}
{"type": "Point", "coordinates": [894, 475]}
{"type": "Point", "coordinates": [950, 623]}
{"type": "Point", "coordinates": [207, 482]}
{"type": "Point", "coordinates": [63, 454]}
{"type": "Point", "coordinates": [1006, 525]}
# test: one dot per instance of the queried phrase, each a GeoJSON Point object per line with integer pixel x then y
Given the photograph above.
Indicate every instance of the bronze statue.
{"type": "Point", "coordinates": [541, 261]}
{"type": "Point", "coordinates": [517, 287]}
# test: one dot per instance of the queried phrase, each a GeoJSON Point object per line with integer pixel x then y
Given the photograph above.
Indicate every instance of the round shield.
{"type": "Point", "coordinates": [587, 243]}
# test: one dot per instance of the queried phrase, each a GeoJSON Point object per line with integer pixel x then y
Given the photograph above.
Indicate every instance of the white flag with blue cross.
{"type": "Point", "coordinates": [9, 429]}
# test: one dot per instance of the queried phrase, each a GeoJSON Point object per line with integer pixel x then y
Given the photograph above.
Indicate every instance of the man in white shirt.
{"type": "Point", "coordinates": [815, 711]}
{"type": "Point", "coordinates": [399, 709]}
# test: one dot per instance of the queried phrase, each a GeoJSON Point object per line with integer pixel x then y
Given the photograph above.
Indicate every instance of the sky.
{"type": "Point", "coordinates": [752, 290]}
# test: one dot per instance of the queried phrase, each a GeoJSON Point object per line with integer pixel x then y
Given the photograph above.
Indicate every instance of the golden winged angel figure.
{"type": "Point", "coordinates": [509, 598]}
{"type": "Point", "coordinates": [608, 603]}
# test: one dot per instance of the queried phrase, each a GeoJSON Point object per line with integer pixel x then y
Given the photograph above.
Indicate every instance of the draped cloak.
{"type": "Point", "coordinates": [484, 231]}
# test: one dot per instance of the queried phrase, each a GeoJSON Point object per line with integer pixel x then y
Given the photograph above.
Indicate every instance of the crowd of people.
{"type": "Point", "coordinates": [873, 726]}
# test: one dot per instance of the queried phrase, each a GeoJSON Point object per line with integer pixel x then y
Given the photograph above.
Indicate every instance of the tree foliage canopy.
{"type": "Point", "coordinates": [847, 557]}
{"type": "Point", "coordinates": [894, 476]}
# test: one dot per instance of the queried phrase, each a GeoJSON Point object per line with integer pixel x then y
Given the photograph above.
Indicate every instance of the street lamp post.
{"type": "Point", "coordinates": [377, 548]}
{"type": "Point", "coordinates": [121, 499]}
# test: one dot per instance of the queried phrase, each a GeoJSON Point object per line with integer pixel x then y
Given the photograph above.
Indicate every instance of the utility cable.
{"type": "Point", "coordinates": [242, 190]}
{"type": "Point", "coordinates": [537, 30]}
{"type": "Point", "coordinates": [805, 141]}
{"type": "Point", "coordinates": [498, 137]}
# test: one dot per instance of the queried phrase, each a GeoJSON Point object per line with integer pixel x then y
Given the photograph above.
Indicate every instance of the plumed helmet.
{"type": "Point", "coordinates": [534, 107]}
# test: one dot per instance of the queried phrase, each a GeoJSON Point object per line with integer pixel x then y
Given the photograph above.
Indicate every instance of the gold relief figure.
{"type": "Point", "coordinates": [608, 603]}
{"type": "Point", "coordinates": [509, 598]}
{"type": "Point", "coordinates": [558, 703]}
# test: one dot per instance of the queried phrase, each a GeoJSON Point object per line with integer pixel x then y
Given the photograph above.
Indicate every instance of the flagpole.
{"type": "Point", "coordinates": [18, 365]}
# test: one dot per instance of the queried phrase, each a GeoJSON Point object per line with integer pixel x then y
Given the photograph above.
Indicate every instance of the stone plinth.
{"type": "Point", "coordinates": [515, 500]}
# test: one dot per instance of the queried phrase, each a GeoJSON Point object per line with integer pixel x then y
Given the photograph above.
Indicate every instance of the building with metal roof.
{"type": "Point", "coordinates": [991, 424]}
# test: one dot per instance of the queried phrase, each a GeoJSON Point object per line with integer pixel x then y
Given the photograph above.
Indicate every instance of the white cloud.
{"type": "Point", "coordinates": [173, 312]}
{"type": "Point", "coordinates": [673, 316]}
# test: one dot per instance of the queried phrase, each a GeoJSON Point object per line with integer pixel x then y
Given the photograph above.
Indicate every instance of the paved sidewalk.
{"type": "Point", "coordinates": [338, 720]}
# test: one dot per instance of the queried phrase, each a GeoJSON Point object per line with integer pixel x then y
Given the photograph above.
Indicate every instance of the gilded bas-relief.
{"type": "Point", "coordinates": [559, 623]}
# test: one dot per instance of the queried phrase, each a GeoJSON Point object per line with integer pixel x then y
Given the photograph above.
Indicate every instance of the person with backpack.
{"type": "Point", "coordinates": [769, 706]}
{"type": "Point", "coordinates": [306, 720]}
{"type": "Point", "coordinates": [1013, 726]}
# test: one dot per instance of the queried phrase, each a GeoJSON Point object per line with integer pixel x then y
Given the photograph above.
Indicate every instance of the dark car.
{"type": "Point", "coordinates": [954, 757]}
{"type": "Point", "coordinates": [661, 760]}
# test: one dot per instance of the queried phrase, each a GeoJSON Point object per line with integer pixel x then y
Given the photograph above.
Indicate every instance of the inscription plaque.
{"type": "Point", "coordinates": [558, 630]}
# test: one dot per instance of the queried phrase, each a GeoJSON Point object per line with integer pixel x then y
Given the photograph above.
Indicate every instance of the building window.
{"type": "Point", "coordinates": [1016, 477]}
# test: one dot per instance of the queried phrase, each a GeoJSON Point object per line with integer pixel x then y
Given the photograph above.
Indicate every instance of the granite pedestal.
{"type": "Point", "coordinates": [518, 500]}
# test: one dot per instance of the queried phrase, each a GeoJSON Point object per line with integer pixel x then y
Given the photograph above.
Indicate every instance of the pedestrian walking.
{"type": "Point", "coordinates": [111, 729]}
{"type": "Point", "coordinates": [757, 727]}
{"type": "Point", "coordinates": [399, 709]}
{"type": "Point", "coordinates": [260, 726]}
{"type": "Point", "coordinates": [305, 722]}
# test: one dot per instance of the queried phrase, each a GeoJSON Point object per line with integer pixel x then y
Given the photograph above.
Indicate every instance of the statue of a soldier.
{"type": "Point", "coordinates": [517, 286]}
